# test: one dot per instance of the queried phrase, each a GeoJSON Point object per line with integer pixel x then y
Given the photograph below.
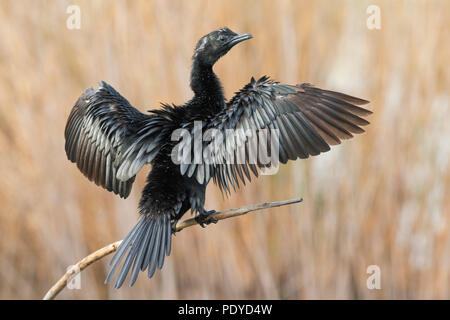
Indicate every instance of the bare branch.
{"type": "Point", "coordinates": [97, 255]}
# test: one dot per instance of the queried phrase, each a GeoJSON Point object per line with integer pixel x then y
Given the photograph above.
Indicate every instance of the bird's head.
{"type": "Point", "coordinates": [214, 45]}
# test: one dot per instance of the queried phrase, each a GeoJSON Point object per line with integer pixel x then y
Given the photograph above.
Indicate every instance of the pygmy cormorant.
{"type": "Point", "coordinates": [110, 141]}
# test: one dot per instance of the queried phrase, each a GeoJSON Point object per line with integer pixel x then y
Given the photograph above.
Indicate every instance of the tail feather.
{"type": "Point", "coordinates": [168, 239]}
{"type": "Point", "coordinates": [145, 246]}
{"type": "Point", "coordinates": [151, 245]}
{"type": "Point", "coordinates": [131, 256]}
{"type": "Point", "coordinates": [122, 248]}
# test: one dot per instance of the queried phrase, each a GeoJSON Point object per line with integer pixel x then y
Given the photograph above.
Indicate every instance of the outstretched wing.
{"type": "Point", "coordinates": [109, 140]}
{"type": "Point", "coordinates": [307, 121]}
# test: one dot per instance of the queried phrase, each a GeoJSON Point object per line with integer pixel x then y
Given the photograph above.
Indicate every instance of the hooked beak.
{"type": "Point", "coordinates": [239, 38]}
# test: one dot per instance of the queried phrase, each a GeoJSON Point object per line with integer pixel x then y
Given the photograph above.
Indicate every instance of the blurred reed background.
{"type": "Point", "coordinates": [378, 199]}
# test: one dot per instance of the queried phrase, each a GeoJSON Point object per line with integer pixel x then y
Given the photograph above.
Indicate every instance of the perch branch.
{"type": "Point", "coordinates": [110, 248]}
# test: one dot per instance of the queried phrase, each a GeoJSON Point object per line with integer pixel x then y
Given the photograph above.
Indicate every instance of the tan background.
{"type": "Point", "coordinates": [381, 198]}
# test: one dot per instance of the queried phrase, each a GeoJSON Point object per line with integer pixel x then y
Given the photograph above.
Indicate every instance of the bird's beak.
{"type": "Point", "coordinates": [239, 38]}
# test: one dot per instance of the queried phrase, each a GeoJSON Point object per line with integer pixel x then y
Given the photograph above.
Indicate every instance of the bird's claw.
{"type": "Point", "coordinates": [206, 218]}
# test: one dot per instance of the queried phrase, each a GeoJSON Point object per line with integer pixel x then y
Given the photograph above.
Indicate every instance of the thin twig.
{"type": "Point", "coordinates": [110, 248]}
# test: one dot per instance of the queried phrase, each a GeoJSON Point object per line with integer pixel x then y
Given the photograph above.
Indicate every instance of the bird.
{"type": "Point", "coordinates": [110, 141]}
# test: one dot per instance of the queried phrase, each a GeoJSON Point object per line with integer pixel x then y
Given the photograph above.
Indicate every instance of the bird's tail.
{"type": "Point", "coordinates": [145, 247]}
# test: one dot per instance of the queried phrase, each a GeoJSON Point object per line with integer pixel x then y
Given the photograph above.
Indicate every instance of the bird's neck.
{"type": "Point", "coordinates": [205, 83]}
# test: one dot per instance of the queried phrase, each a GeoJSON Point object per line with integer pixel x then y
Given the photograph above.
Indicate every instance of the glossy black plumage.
{"type": "Point", "coordinates": [309, 121]}
{"type": "Point", "coordinates": [110, 141]}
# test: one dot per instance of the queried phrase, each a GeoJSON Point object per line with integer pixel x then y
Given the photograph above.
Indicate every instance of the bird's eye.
{"type": "Point", "coordinates": [222, 38]}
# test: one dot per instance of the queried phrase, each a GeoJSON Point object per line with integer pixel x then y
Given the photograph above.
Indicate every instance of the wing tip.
{"type": "Point", "coordinates": [363, 102]}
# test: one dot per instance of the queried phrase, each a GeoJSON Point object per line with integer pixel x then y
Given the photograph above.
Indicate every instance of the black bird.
{"type": "Point", "coordinates": [110, 141]}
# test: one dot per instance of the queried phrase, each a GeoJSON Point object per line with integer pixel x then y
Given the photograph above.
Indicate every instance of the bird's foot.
{"type": "Point", "coordinates": [204, 217]}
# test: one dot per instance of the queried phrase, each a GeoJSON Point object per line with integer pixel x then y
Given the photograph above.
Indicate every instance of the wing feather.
{"type": "Point", "coordinates": [309, 120]}
{"type": "Point", "coordinates": [109, 140]}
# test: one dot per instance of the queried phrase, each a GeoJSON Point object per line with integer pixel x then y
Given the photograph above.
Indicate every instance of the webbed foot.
{"type": "Point", "coordinates": [204, 217]}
